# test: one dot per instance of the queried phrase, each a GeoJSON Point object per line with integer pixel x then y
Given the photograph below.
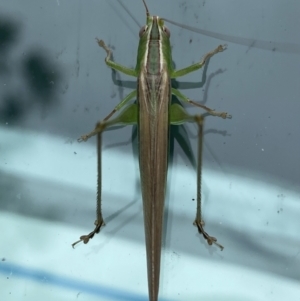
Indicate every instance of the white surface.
{"type": "Point", "coordinates": [258, 228]}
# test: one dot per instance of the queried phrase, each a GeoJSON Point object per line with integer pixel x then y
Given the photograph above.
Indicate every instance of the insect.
{"type": "Point", "coordinates": [153, 113]}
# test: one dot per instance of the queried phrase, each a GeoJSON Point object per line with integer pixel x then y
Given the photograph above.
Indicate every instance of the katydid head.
{"type": "Point", "coordinates": [154, 41]}
{"type": "Point", "coordinates": [154, 27]}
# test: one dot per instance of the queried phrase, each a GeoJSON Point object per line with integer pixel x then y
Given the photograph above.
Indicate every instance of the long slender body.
{"type": "Point", "coordinates": [153, 113]}
{"type": "Point", "coordinates": [154, 97]}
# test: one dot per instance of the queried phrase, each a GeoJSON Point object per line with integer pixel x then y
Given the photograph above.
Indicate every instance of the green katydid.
{"type": "Point", "coordinates": [153, 114]}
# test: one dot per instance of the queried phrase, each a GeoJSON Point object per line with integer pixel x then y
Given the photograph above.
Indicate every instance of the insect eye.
{"type": "Point", "coordinates": [167, 31]}
{"type": "Point", "coordinates": [142, 30]}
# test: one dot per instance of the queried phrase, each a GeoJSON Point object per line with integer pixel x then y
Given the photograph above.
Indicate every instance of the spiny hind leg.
{"type": "Point", "coordinates": [199, 223]}
{"type": "Point", "coordinates": [178, 115]}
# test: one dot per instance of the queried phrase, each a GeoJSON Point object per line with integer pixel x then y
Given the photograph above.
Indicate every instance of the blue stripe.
{"type": "Point", "coordinates": [43, 277]}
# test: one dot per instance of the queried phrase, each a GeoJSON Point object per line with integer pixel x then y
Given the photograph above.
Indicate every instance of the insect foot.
{"type": "Point", "coordinates": [83, 138]}
{"type": "Point", "coordinates": [85, 238]}
{"type": "Point", "coordinates": [225, 115]}
{"type": "Point", "coordinates": [222, 47]}
{"type": "Point", "coordinates": [210, 239]}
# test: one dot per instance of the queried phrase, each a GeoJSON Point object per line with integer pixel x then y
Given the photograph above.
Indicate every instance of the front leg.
{"type": "Point", "coordinates": [194, 67]}
{"type": "Point", "coordinates": [112, 64]}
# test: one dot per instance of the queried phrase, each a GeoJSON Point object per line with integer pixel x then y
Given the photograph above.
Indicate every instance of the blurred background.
{"type": "Point", "coordinates": [55, 86]}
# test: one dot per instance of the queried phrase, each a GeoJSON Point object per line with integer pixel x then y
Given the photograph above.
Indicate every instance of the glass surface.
{"type": "Point", "coordinates": [55, 86]}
